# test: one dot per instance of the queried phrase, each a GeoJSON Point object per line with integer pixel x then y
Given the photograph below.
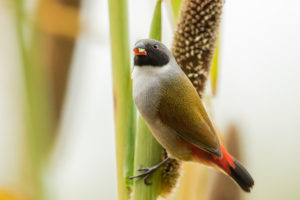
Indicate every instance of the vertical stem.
{"type": "Point", "coordinates": [176, 7]}
{"type": "Point", "coordinates": [173, 8]}
{"type": "Point", "coordinates": [38, 111]}
{"type": "Point", "coordinates": [148, 151]}
{"type": "Point", "coordinates": [122, 88]}
{"type": "Point", "coordinates": [155, 30]}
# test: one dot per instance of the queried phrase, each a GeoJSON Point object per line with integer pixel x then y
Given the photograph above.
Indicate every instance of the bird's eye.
{"type": "Point", "coordinates": [155, 46]}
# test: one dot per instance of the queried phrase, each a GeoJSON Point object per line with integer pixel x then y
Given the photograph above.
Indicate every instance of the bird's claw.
{"type": "Point", "coordinates": [148, 171]}
{"type": "Point", "coordinates": [146, 174]}
{"type": "Point", "coordinates": [142, 169]}
{"type": "Point", "coordinates": [146, 179]}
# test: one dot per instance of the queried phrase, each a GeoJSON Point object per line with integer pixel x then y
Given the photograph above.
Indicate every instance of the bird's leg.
{"type": "Point", "coordinates": [148, 171]}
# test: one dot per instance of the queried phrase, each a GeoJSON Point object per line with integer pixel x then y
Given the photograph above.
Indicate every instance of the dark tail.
{"type": "Point", "coordinates": [229, 165]}
{"type": "Point", "coordinates": [236, 170]}
{"type": "Point", "coordinates": [241, 176]}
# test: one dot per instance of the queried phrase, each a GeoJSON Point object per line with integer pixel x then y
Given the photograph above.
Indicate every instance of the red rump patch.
{"type": "Point", "coordinates": [138, 52]}
{"type": "Point", "coordinates": [225, 161]}
{"type": "Point", "coordinates": [207, 158]}
{"type": "Point", "coordinates": [227, 164]}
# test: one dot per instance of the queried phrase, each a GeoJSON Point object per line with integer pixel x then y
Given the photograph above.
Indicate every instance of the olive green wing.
{"type": "Point", "coordinates": [181, 109]}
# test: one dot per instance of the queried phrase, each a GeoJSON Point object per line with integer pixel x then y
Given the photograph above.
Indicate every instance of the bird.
{"type": "Point", "coordinates": [175, 114]}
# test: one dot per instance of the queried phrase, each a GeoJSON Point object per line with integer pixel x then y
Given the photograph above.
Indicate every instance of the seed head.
{"type": "Point", "coordinates": [195, 38]}
{"type": "Point", "coordinates": [170, 175]}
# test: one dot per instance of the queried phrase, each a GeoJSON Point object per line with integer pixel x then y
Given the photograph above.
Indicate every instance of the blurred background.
{"type": "Point", "coordinates": [258, 91]}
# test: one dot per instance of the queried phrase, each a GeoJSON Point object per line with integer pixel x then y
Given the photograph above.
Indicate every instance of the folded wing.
{"type": "Point", "coordinates": [181, 109]}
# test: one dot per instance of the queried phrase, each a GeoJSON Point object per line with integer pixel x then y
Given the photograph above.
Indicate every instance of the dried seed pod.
{"type": "Point", "coordinates": [195, 38]}
{"type": "Point", "coordinates": [170, 175]}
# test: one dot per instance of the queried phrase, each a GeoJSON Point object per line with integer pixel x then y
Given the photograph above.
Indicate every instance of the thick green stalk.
{"type": "Point", "coordinates": [38, 115]}
{"type": "Point", "coordinates": [148, 154]}
{"type": "Point", "coordinates": [122, 88]}
{"type": "Point", "coordinates": [130, 145]}
{"type": "Point", "coordinates": [148, 151]}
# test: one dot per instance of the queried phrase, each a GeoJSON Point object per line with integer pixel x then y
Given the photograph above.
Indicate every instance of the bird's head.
{"type": "Point", "coordinates": [149, 52]}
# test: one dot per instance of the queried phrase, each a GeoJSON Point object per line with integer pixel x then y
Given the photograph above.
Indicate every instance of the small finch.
{"type": "Point", "coordinates": [174, 112]}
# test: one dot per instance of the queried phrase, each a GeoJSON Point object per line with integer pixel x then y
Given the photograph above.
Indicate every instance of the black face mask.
{"type": "Point", "coordinates": [154, 57]}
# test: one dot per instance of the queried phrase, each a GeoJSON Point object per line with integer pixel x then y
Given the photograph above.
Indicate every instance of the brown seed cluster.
{"type": "Point", "coordinates": [195, 38]}
{"type": "Point", "coordinates": [170, 175]}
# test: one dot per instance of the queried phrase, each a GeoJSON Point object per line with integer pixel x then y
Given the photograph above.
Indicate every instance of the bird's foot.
{"type": "Point", "coordinates": [148, 171]}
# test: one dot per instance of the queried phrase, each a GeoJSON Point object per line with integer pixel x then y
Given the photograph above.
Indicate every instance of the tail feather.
{"type": "Point", "coordinates": [241, 176]}
{"type": "Point", "coordinates": [236, 170]}
{"type": "Point", "coordinates": [227, 164]}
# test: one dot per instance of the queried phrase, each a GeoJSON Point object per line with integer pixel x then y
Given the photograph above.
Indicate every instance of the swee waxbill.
{"type": "Point", "coordinates": [174, 112]}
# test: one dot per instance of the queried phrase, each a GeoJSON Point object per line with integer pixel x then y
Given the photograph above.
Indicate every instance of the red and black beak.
{"type": "Point", "coordinates": [140, 49]}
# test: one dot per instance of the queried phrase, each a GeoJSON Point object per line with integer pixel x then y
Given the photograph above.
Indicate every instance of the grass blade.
{"type": "Point", "coordinates": [176, 7]}
{"type": "Point", "coordinates": [155, 30]}
{"type": "Point", "coordinates": [173, 8]}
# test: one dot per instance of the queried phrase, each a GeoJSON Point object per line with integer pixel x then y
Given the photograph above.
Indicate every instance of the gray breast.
{"type": "Point", "coordinates": [146, 97]}
{"type": "Point", "coordinates": [147, 81]}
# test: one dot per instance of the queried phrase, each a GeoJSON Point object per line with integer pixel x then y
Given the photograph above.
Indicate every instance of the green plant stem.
{"type": "Point", "coordinates": [176, 7]}
{"type": "Point", "coordinates": [122, 88]}
{"type": "Point", "coordinates": [148, 151]}
{"type": "Point", "coordinates": [148, 154]}
{"type": "Point", "coordinates": [155, 30]}
{"type": "Point", "coordinates": [38, 115]}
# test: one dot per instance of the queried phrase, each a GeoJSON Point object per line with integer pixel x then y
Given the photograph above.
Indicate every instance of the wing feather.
{"type": "Point", "coordinates": [181, 109]}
